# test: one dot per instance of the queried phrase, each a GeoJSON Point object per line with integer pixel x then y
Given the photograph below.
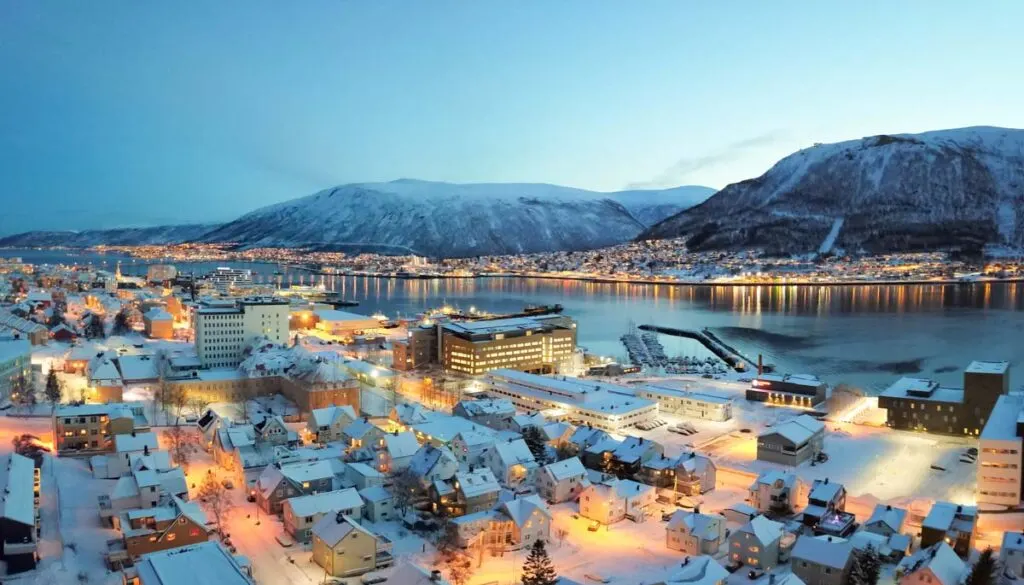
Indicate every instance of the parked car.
{"type": "Point", "coordinates": [755, 573]}
{"type": "Point", "coordinates": [593, 526]}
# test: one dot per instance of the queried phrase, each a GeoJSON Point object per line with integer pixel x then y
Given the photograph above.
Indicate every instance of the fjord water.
{"type": "Point", "coordinates": [865, 335]}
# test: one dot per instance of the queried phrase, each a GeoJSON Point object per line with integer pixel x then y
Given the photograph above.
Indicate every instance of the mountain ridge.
{"type": "Point", "coordinates": [958, 189]}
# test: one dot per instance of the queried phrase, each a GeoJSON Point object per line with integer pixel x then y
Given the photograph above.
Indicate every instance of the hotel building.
{"type": "Point", "coordinates": [528, 344]}
{"type": "Point", "coordinates": [223, 328]}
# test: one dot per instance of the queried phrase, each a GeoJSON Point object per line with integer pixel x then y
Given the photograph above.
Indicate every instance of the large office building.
{"type": "Point", "coordinates": [224, 327]}
{"type": "Point", "coordinates": [540, 345]}
{"type": "Point", "coordinates": [608, 407]}
{"type": "Point", "coordinates": [1001, 453]}
{"type": "Point", "coordinates": [920, 404]}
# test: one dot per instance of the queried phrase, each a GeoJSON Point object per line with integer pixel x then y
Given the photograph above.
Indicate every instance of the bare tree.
{"type": "Point", "coordinates": [456, 565]}
{"type": "Point", "coordinates": [173, 398]}
{"type": "Point", "coordinates": [196, 405]}
{"type": "Point", "coordinates": [181, 443]}
{"type": "Point", "coordinates": [216, 499]}
{"type": "Point", "coordinates": [404, 489]}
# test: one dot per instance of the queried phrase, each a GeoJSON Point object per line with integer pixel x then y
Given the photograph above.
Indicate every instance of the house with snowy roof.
{"type": "Point", "coordinates": [885, 520]}
{"type": "Point", "coordinates": [104, 379]}
{"type": "Point", "coordinates": [394, 451]}
{"type": "Point", "coordinates": [115, 465]}
{"type": "Point", "coordinates": [18, 511]}
{"type": "Point", "coordinates": [776, 491]}
{"type": "Point", "coordinates": [471, 447]}
{"type": "Point", "coordinates": [584, 437]}
{"type": "Point", "coordinates": [615, 499]}
{"type": "Point", "coordinates": [700, 570]}
{"type": "Point", "coordinates": [431, 463]}
{"type": "Point", "coordinates": [792, 442]}
{"type": "Point", "coordinates": [408, 573]}
{"type": "Point", "coordinates": [952, 523]}
{"type": "Point", "coordinates": [63, 332]}
{"type": "Point", "coordinates": [466, 492]}
{"type": "Point", "coordinates": [937, 564]}
{"type": "Point", "coordinates": [91, 427]}
{"type": "Point", "coordinates": [172, 524]}
{"type": "Point", "coordinates": [378, 503]}
{"type": "Point", "coordinates": [557, 434]}
{"type": "Point", "coordinates": [408, 415]}
{"type": "Point", "coordinates": [492, 412]}
{"type": "Point", "coordinates": [279, 482]}
{"type": "Point", "coordinates": [325, 424]}
{"type": "Point", "coordinates": [515, 524]}
{"type": "Point", "coordinates": [344, 548]}
{"type": "Point", "coordinates": [273, 431]}
{"type": "Point", "coordinates": [360, 432]}
{"type": "Point", "coordinates": [757, 543]}
{"type": "Point", "coordinates": [143, 488]}
{"type": "Point", "coordinates": [158, 324]}
{"type": "Point", "coordinates": [302, 512]}
{"type": "Point", "coordinates": [826, 498]}
{"type": "Point", "coordinates": [562, 481]}
{"type": "Point", "coordinates": [362, 475]}
{"type": "Point", "coordinates": [181, 565]}
{"type": "Point", "coordinates": [512, 462]}
{"type": "Point", "coordinates": [695, 533]}
{"type": "Point", "coordinates": [822, 560]}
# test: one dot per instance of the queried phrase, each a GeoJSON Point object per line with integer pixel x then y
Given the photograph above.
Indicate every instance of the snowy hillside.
{"type": "Point", "coordinates": [445, 219]}
{"type": "Point", "coordinates": [171, 234]}
{"type": "Point", "coordinates": [958, 188]}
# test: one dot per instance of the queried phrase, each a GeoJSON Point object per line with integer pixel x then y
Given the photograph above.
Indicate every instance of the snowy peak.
{"type": "Point", "coordinates": [948, 189]}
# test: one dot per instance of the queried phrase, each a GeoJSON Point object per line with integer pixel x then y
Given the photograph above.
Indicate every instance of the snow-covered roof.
{"type": "Point", "coordinates": [303, 472]}
{"type": "Point", "coordinates": [103, 369]}
{"type": "Point", "coordinates": [359, 428]}
{"type": "Point", "coordinates": [763, 529]}
{"type": "Point", "coordinates": [825, 491]}
{"type": "Point", "coordinates": [206, 563]}
{"type": "Point", "coordinates": [565, 469]}
{"type": "Point", "coordinates": [797, 431]}
{"type": "Point", "coordinates": [943, 515]}
{"type": "Point", "coordinates": [332, 528]}
{"type": "Point", "coordinates": [401, 445]}
{"type": "Point", "coordinates": [702, 570]}
{"type": "Point", "coordinates": [514, 452]}
{"type": "Point", "coordinates": [1013, 541]}
{"type": "Point", "coordinates": [444, 428]}
{"type": "Point", "coordinates": [407, 573]}
{"type": "Point", "coordinates": [703, 525]}
{"type": "Point", "coordinates": [888, 516]}
{"type": "Point", "coordinates": [136, 442]}
{"type": "Point", "coordinates": [943, 562]}
{"type": "Point", "coordinates": [491, 406]}
{"type": "Point", "coordinates": [478, 482]}
{"type": "Point", "coordinates": [158, 314]}
{"type": "Point", "coordinates": [1004, 418]}
{"type": "Point", "coordinates": [473, 438]}
{"type": "Point", "coordinates": [831, 553]}
{"type": "Point", "coordinates": [16, 479]}
{"type": "Point", "coordinates": [347, 499]}
{"type": "Point", "coordinates": [375, 494]}
{"type": "Point", "coordinates": [983, 367]}
{"type": "Point", "coordinates": [427, 457]}
{"type": "Point", "coordinates": [172, 481]}
{"type": "Point", "coordinates": [628, 489]}
{"type": "Point", "coordinates": [138, 367]}
{"type": "Point", "coordinates": [521, 509]}
{"type": "Point", "coordinates": [325, 417]}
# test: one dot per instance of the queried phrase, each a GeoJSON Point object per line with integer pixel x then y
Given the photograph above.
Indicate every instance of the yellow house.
{"type": "Point", "coordinates": [344, 548]}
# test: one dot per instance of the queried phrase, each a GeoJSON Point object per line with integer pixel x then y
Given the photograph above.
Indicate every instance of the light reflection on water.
{"type": "Point", "coordinates": [867, 335]}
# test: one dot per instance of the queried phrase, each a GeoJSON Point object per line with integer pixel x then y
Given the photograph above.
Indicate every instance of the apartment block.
{"type": "Point", "coordinates": [224, 327]}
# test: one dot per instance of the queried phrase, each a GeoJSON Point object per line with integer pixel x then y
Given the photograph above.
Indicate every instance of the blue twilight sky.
{"type": "Point", "coordinates": [116, 113]}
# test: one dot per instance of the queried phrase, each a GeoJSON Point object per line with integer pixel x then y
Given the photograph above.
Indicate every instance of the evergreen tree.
{"type": "Point", "coordinates": [538, 570]}
{"type": "Point", "coordinates": [122, 324]}
{"type": "Point", "coordinates": [985, 571]}
{"type": "Point", "coordinates": [53, 388]}
{"type": "Point", "coordinates": [871, 566]}
{"type": "Point", "coordinates": [95, 330]}
{"type": "Point", "coordinates": [535, 441]}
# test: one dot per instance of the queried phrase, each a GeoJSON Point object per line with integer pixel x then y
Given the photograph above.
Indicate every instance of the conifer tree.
{"type": "Point", "coordinates": [538, 570]}
{"type": "Point", "coordinates": [985, 571]}
{"type": "Point", "coordinates": [535, 441]}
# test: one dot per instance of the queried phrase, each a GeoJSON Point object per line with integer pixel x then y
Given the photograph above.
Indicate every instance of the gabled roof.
{"type": "Point", "coordinates": [797, 431]}
{"type": "Point", "coordinates": [765, 530]}
{"type": "Point", "coordinates": [325, 417]}
{"type": "Point", "coordinates": [888, 516]}
{"type": "Point", "coordinates": [136, 442]}
{"type": "Point", "coordinates": [835, 554]}
{"type": "Point", "coordinates": [307, 471]}
{"type": "Point", "coordinates": [426, 459]}
{"type": "Point", "coordinates": [702, 570]}
{"type": "Point", "coordinates": [401, 445]}
{"type": "Point", "coordinates": [332, 528]}
{"type": "Point", "coordinates": [347, 499]}
{"type": "Point", "coordinates": [825, 491]}
{"type": "Point", "coordinates": [566, 468]}
{"type": "Point", "coordinates": [521, 509]}
{"type": "Point", "coordinates": [475, 483]}
{"type": "Point", "coordinates": [358, 428]}
{"type": "Point", "coordinates": [703, 525]}
{"type": "Point", "coordinates": [206, 563]}
{"type": "Point", "coordinates": [514, 452]}
{"type": "Point", "coordinates": [944, 564]}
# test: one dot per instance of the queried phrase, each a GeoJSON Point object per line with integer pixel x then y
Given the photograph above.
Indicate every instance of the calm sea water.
{"type": "Point", "coordinates": [865, 335]}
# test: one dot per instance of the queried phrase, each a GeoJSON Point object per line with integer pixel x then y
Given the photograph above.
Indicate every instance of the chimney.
{"type": "Point", "coordinates": [133, 433]}
{"type": "Point", "coordinates": [696, 509]}
{"type": "Point", "coordinates": [830, 539]}
{"type": "Point", "coordinates": [760, 365]}
{"type": "Point", "coordinates": [435, 576]}
{"type": "Point", "coordinates": [826, 481]}
{"type": "Point", "coordinates": [686, 561]}
{"type": "Point", "coordinates": [145, 449]}
{"type": "Point", "coordinates": [888, 507]}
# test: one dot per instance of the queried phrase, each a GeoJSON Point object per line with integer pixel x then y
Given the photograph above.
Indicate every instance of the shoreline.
{"type": "Point", "coordinates": [579, 278]}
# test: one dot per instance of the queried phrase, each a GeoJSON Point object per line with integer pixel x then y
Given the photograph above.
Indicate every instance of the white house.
{"type": "Point", "coordinates": [1011, 554]}
{"type": "Point", "coordinates": [702, 570]}
{"type": "Point", "coordinates": [562, 481]}
{"type": "Point", "coordinates": [432, 463]}
{"type": "Point", "coordinates": [757, 543]}
{"type": "Point", "coordinates": [885, 520]}
{"type": "Point", "coordinates": [470, 447]}
{"type": "Point", "coordinates": [694, 533]}
{"type": "Point", "coordinates": [776, 491]}
{"type": "Point", "coordinates": [301, 513]}
{"type": "Point", "coordinates": [511, 462]}
{"type": "Point", "coordinates": [378, 504]}
{"type": "Point", "coordinates": [614, 500]}
{"type": "Point", "coordinates": [326, 424]}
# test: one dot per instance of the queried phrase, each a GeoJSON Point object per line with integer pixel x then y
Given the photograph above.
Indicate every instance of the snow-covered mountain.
{"type": "Point", "coordinates": [168, 234]}
{"type": "Point", "coordinates": [947, 189]}
{"type": "Point", "coordinates": [452, 220]}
